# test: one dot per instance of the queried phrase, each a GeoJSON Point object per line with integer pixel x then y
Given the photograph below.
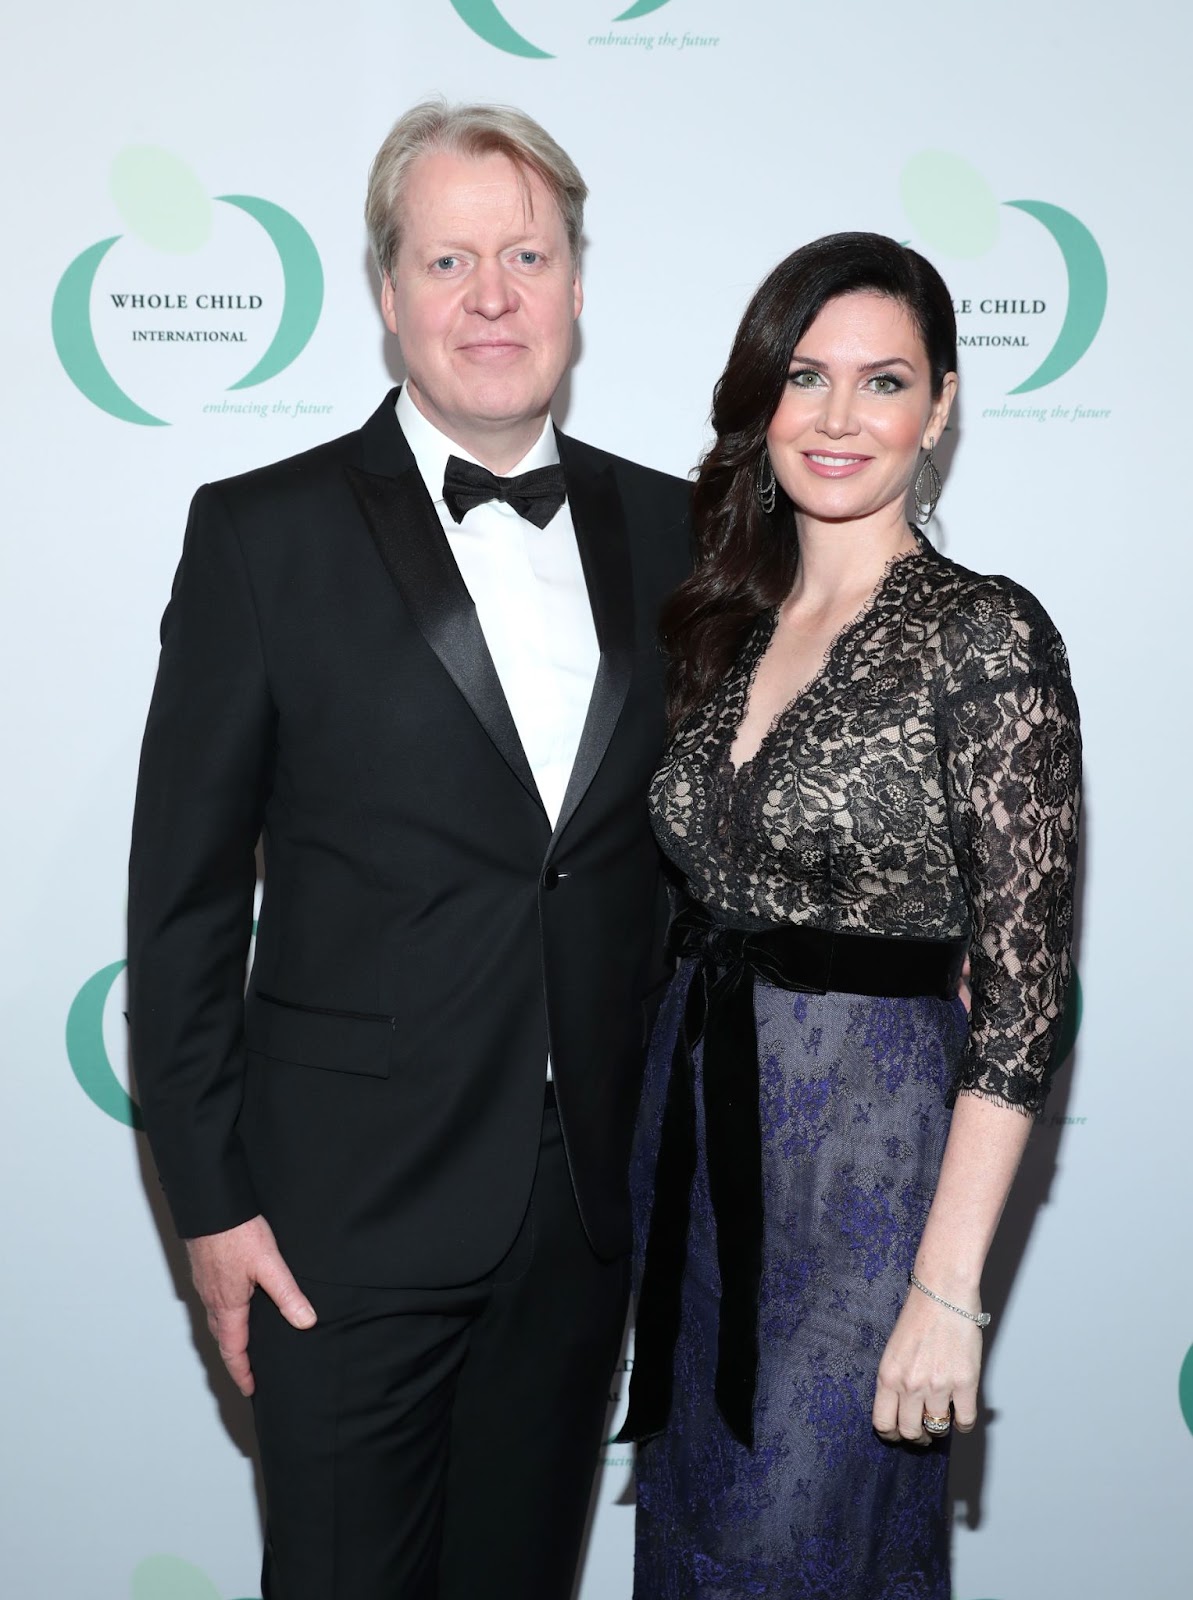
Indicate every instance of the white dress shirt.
{"type": "Point", "coordinates": [528, 587]}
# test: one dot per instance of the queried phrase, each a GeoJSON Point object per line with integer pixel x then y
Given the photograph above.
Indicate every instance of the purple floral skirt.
{"type": "Point", "coordinates": [852, 1102]}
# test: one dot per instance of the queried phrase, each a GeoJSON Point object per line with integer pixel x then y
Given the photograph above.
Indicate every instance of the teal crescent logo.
{"type": "Point", "coordinates": [1185, 1389]}
{"type": "Point", "coordinates": [489, 23]}
{"type": "Point", "coordinates": [952, 207]}
{"type": "Point", "coordinates": [170, 1578]}
{"type": "Point", "coordinates": [163, 203]}
{"type": "Point", "coordinates": [88, 1055]}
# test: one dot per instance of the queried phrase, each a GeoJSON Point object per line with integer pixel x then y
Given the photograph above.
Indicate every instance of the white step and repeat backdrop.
{"type": "Point", "coordinates": [187, 294]}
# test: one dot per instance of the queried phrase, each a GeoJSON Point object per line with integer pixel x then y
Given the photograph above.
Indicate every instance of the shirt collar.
{"type": "Point", "coordinates": [431, 448]}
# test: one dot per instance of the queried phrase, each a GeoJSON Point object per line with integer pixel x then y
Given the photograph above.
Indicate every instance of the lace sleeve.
{"type": "Point", "coordinates": [1012, 756]}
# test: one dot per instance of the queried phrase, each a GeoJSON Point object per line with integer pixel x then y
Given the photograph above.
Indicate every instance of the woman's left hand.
{"type": "Point", "coordinates": [931, 1361]}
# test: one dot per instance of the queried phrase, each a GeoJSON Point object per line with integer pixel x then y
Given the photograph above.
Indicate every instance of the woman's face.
{"type": "Point", "coordinates": [856, 410]}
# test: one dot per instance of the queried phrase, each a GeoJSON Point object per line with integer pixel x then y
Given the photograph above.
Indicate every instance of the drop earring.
{"type": "Point", "coordinates": [927, 487]}
{"type": "Point", "coordinates": [764, 483]}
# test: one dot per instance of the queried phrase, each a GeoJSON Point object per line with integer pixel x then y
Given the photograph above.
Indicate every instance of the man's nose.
{"type": "Point", "coordinates": [491, 293]}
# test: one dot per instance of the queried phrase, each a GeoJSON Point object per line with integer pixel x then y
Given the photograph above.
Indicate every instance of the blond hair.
{"type": "Point", "coordinates": [468, 130]}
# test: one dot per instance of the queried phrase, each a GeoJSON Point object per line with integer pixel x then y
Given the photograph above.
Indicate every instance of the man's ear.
{"type": "Point", "coordinates": [388, 310]}
{"type": "Point", "coordinates": [577, 296]}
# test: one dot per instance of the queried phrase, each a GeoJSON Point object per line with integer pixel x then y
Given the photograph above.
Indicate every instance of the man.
{"type": "Point", "coordinates": [400, 1159]}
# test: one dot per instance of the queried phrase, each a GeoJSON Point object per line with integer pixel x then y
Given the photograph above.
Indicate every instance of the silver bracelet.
{"type": "Point", "coordinates": [982, 1318]}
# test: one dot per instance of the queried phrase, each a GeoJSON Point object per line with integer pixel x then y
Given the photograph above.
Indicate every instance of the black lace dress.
{"type": "Point", "coordinates": [923, 786]}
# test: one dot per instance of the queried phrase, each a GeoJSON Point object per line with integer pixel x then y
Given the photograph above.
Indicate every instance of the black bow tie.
{"type": "Point", "coordinates": [536, 495]}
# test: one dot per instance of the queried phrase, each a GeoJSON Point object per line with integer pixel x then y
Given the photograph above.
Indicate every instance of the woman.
{"type": "Point", "coordinates": [873, 770]}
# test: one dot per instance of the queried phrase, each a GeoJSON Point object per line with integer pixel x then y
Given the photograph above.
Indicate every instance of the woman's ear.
{"type": "Point", "coordinates": [939, 415]}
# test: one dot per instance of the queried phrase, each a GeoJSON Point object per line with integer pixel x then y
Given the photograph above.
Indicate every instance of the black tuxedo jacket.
{"type": "Point", "coordinates": [424, 936]}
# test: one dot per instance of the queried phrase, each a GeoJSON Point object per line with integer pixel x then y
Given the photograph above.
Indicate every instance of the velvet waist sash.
{"type": "Point", "coordinates": [720, 1011]}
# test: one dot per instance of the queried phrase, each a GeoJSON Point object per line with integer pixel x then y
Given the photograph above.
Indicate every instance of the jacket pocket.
{"type": "Point", "coordinates": [313, 1036]}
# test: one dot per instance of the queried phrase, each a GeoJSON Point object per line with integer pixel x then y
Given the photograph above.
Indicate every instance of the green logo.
{"type": "Point", "coordinates": [170, 1578]}
{"type": "Point", "coordinates": [1185, 1389]}
{"type": "Point", "coordinates": [487, 20]}
{"type": "Point", "coordinates": [164, 205]}
{"type": "Point", "coordinates": [952, 207]}
{"type": "Point", "coordinates": [88, 1055]}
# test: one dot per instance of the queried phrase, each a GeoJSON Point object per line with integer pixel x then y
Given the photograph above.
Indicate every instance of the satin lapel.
{"type": "Point", "coordinates": [417, 556]}
{"type": "Point", "coordinates": [598, 517]}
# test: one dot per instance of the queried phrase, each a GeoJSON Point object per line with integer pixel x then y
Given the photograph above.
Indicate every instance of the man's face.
{"type": "Point", "coordinates": [483, 299]}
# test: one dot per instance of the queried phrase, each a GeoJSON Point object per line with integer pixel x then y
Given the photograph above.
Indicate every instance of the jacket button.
{"type": "Point", "coordinates": [550, 878]}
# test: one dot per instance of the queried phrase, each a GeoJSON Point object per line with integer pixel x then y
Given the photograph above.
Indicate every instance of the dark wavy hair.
{"type": "Point", "coordinates": [746, 559]}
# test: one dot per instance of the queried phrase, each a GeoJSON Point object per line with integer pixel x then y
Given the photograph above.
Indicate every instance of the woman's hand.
{"type": "Point", "coordinates": [932, 1358]}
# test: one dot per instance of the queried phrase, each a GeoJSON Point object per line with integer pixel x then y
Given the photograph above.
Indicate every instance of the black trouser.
{"type": "Point", "coordinates": [441, 1444]}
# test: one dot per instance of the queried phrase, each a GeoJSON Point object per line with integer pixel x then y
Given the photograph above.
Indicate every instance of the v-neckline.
{"type": "Point", "coordinates": [736, 770]}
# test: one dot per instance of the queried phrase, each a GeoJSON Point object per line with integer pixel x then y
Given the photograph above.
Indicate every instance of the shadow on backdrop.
{"type": "Point", "coordinates": [1032, 1191]}
{"type": "Point", "coordinates": [235, 1412]}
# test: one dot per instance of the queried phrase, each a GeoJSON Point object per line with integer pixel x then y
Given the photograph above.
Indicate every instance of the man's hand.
{"type": "Point", "coordinates": [227, 1267]}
